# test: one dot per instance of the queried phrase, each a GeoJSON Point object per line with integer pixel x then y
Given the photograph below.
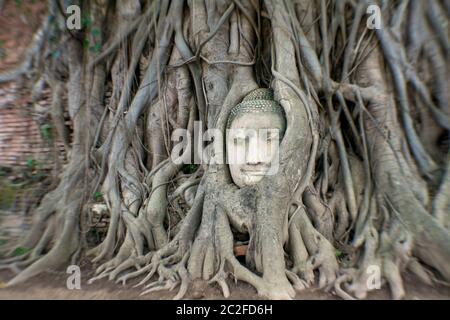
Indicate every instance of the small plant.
{"type": "Point", "coordinates": [56, 54]}
{"type": "Point", "coordinates": [96, 32]}
{"type": "Point", "coordinates": [86, 43]}
{"type": "Point", "coordinates": [98, 196]}
{"type": "Point", "coordinates": [33, 171]}
{"type": "Point", "coordinates": [86, 22]}
{"type": "Point", "coordinates": [46, 131]}
{"type": "Point", "coordinates": [96, 48]}
{"type": "Point", "coordinates": [31, 163]}
{"type": "Point", "coordinates": [19, 251]}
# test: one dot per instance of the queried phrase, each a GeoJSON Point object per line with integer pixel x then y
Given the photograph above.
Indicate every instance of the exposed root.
{"type": "Point", "coordinates": [349, 208]}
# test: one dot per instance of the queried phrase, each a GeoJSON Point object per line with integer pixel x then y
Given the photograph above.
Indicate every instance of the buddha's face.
{"type": "Point", "coordinates": [252, 146]}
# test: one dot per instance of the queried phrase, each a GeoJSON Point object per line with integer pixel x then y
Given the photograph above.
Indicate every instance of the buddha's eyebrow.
{"type": "Point", "coordinates": [271, 132]}
{"type": "Point", "coordinates": [239, 135]}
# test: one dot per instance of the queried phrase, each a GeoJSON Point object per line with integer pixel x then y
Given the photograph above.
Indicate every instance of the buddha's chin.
{"type": "Point", "coordinates": [251, 178]}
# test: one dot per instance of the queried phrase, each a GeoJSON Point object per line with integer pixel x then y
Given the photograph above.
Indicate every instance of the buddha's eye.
{"type": "Point", "coordinates": [239, 140]}
{"type": "Point", "coordinates": [272, 137]}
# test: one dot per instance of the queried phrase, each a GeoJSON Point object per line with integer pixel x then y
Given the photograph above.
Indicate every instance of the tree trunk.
{"type": "Point", "coordinates": [363, 179]}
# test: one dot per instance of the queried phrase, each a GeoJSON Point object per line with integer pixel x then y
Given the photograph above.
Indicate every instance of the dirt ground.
{"type": "Point", "coordinates": [52, 286]}
{"type": "Point", "coordinates": [17, 24]}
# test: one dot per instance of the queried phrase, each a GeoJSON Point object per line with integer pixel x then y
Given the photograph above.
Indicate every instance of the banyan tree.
{"type": "Point", "coordinates": [351, 99]}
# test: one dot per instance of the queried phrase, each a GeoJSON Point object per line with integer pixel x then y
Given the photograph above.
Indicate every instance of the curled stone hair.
{"type": "Point", "coordinates": [258, 101]}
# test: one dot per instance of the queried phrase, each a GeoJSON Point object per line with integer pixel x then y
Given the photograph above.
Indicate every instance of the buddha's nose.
{"type": "Point", "coordinates": [253, 156]}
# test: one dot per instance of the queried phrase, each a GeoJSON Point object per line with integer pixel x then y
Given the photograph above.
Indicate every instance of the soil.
{"type": "Point", "coordinates": [52, 286]}
{"type": "Point", "coordinates": [18, 21]}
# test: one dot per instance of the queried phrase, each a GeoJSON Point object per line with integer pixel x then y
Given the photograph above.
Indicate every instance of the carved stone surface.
{"type": "Point", "coordinates": [255, 129]}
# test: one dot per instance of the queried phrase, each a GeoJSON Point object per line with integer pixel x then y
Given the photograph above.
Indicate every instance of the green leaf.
{"type": "Point", "coordinates": [3, 242]}
{"type": "Point", "coordinates": [97, 47]}
{"type": "Point", "coordinates": [98, 196]}
{"type": "Point", "coordinates": [31, 163]}
{"type": "Point", "coordinates": [56, 54]}
{"type": "Point", "coordinates": [86, 21]}
{"type": "Point", "coordinates": [46, 131]}
{"type": "Point", "coordinates": [19, 251]}
{"type": "Point", "coordinates": [339, 253]}
{"type": "Point", "coordinates": [95, 32]}
{"type": "Point", "coordinates": [86, 43]}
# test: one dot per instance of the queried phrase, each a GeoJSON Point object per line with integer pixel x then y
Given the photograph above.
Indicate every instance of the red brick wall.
{"type": "Point", "coordinates": [20, 135]}
{"type": "Point", "coordinates": [20, 138]}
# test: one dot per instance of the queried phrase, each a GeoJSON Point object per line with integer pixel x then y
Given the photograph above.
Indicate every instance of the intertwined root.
{"type": "Point", "coordinates": [311, 251]}
{"type": "Point", "coordinates": [353, 160]}
{"type": "Point", "coordinates": [180, 263]}
{"type": "Point", "coordinates": [170, 263]}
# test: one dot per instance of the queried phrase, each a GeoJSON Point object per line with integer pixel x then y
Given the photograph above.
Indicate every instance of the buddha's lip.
{"type": "Point", "coordinates": [255, 172]}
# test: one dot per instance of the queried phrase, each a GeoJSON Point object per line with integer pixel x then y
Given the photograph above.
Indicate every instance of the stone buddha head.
{"type": "Point", "coordinates": [255, 128]}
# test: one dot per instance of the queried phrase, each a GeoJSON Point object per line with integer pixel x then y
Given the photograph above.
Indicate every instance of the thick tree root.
{"type": "Point", "coordinates": [349, 208]}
